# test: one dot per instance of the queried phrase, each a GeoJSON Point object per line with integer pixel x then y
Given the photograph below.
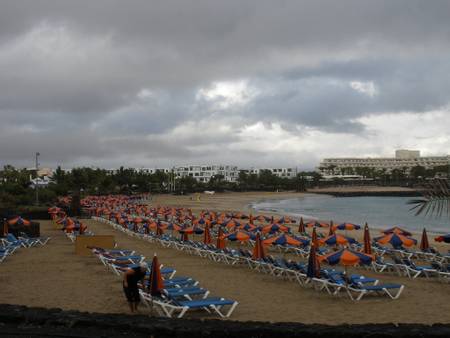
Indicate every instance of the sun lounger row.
{"type": "Point", "coordinates": [408, 268]}
{"type": "Point", "coordinates": [72, 235]}
{"type": "Point", "coordinates": [336, 283]}
{"type": "Point", "coordinates": [139, 232]}
{"type": "Point", "coordinates": [174, 302]}
{"type": "Point", "coordinates": [24, 240]}
{"type": "Point", "coordinates": [278, 267]}
{"type": "Point", "coordinates": [118, 261]}
{"type": "Point", "coordinates": [183, 294]}
{"type": "Point", "coordinates": [405, 267]}
{"type": "Point", "coordinates": [430, 255]}
{"type": "Point", "coordinates": [331, 281]}
{"type": "Point", "coordinates": [10, 243]}
{"type": "Point", "coordinates": [179, 295]}
{"type": "Point", "coordinates": [7, 249]}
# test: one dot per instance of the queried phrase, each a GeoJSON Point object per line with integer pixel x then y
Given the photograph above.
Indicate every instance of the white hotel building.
{"type": "Point", "coordinates": [403, 160]}
{"type": "Point", "coordinates": [201, 173]}
{"type": "Point", "coordinates": [279, 172]}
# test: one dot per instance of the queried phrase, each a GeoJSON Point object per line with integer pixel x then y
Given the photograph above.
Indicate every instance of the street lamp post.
{"type": "Point", "coordinates": [173, 179]}
{"type": "Point", "coordinates": [36, 184]}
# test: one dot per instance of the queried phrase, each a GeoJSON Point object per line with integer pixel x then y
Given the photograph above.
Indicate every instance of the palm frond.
{"type": "Point", "coordinates": [435, 201]}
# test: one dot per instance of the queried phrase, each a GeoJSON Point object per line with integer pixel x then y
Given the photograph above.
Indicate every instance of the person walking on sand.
{"type": "Point", "coordinates": [130, 284]}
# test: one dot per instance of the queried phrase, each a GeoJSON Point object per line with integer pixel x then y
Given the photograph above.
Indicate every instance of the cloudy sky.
{"type": "Point", "coordinates": [251, 83]}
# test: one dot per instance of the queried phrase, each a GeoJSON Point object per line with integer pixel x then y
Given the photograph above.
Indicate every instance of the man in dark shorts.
{"type": "Point", "coordinates": [130, 284]}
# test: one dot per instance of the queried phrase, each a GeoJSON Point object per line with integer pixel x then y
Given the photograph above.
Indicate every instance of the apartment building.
{"type": "Point", "coordinates": [202, 173]}
{"type": "Point", "coordinates": [279, 172]}
{"type": "Point", "coordinates": [403, 160]}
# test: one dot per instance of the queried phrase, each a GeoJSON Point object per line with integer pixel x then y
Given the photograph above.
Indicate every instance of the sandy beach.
{"type": "Point", "coordinates": [221, 202]}
{"type": "Point", "coordinates": [53, 276]}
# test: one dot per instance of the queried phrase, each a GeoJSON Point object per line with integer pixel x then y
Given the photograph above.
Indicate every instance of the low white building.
{"type": "Point", "coordinates": [404, 160]}
{"type": "Point", "coordinates": [40, 182]}
{"type": "Point", "coordinates": [202, 173]}
{"type": "Point", "coordinates": [154, 170]}
{"type": "Point", "coordinates": [279, 172]}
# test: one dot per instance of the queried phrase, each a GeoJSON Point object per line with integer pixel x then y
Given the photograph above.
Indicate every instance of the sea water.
{"type": "Point", "coordinates": [378, 212]}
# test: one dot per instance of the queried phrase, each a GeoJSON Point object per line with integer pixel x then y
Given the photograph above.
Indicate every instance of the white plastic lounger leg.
{"type": "Point", "coordinates": [444, 276]}
{"type": "Point", "coordinates": [183, 311]}
{"type": "Point", "coordinates": [322, 285]}
{"type": "Point", "coordinates": [172, 274]}
{"type": "Point", "coordinates": [416, 273]}
{"type": "Point", "coordinates": [301, 278]}
{"type": "Point", "coordinates": [359, 294]}
{"type": "Point", "coordinates": [337, 289]}
{"type": "Point", "coordinates": [229, 312]}
{"type": "Point", "coordinates": [399, 292]}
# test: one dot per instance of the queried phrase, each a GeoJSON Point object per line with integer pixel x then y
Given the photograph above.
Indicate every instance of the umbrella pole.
{"type": "Point", "coordinates": [346, 275]}
{"type": "Point", "coordinates": [151, 306]}
{"type": "Point", "coordinates": [151, 297]}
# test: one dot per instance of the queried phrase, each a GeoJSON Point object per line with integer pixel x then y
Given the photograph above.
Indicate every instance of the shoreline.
{"type": "Point", "coordinates": [356, 191]}
{"type": "Point", "coordinates": [414, 193]}
{"type": "Point", "coordinates": [307, 218]}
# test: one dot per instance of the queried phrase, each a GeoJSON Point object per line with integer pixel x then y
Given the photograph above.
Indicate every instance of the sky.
{"type": "Point", "coordinates": [140, 83]}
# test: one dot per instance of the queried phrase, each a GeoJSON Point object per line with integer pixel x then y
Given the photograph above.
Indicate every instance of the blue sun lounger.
{"type": "Point", "coordinates": [179, 282]}
{"type": "Point", "coordinates": [111, 252]}
{"type": "Point", "coordinates": [7, 249]}
{"type": "Point", "coordinates": [215, 304]}
{"type": "Point", "coordinates": [3, 255]}
{"type": "Point", "coordinates": [171, 306]}
{"type": "Point", "coordinates": [39, 240]}
{"type": "Point", "coordinates": [415, 271]}
{"type": "Point", "coordinates": [121, 268]}
{"type": "Point", "coordinates": [136, 259]}
{"type": "Point", "coordinates": [12, 240]}
{"type": "Point", "coordinates": [187, 293]}
{"type": "Point", "coordinates": [384, 289]}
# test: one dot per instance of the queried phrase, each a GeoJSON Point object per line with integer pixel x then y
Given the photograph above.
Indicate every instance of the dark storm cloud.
{"type": "Point", "coordinates": [66, 147]}
{"type": "Point", "coordinates": [107, 76]}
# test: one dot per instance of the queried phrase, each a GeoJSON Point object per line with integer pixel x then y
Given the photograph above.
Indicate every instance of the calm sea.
{"type": "Point", "coordinates": [378, 212]}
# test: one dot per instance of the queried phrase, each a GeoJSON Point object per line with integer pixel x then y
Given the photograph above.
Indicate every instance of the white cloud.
{"type": "Point", "coordinates": [145, 94]}
{"type": "Point", "coordinates": [427, 131]}
{"type": "Point", "coordinates": [367, 88]}
{"type": "Point", "coordinates": [226, 94]}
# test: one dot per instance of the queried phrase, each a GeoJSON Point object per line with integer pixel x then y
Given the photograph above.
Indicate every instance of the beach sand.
{"type": "Point", "coordinates": [221, 202]}
{"type": "Point", "coordinates": [53, 276]}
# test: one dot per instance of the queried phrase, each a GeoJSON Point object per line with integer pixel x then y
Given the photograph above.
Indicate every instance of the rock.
{"type": "Point", "coordinates": [39, 322]}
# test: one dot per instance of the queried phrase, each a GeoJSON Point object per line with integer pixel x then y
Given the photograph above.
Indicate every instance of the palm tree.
{"type": "Point", "coordinates": [435, 200]}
